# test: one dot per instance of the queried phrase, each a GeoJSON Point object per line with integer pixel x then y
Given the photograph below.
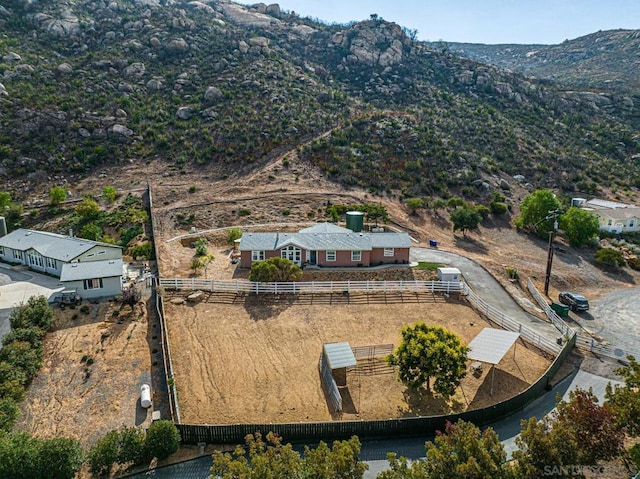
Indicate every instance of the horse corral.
{"type": "Point", "coordinates": [255, 359]}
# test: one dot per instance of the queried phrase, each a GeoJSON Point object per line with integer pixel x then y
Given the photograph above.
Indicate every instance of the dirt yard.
{"type": "Point", "coordinates": [258, 361]}
{"type": "Point", "coordinates": [94, 365]}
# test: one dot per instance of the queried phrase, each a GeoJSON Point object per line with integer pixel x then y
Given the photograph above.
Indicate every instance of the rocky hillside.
{"type": "Point", "coordinates": [217, 85]}
{"type": "Point", "coordinates": [607, 61]}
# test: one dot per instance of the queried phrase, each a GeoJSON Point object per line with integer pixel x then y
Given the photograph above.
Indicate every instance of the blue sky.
{"type": "Point", "coordinates": [482, 21]}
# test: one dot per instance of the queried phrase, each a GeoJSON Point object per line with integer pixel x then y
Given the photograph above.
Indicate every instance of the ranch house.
{"type": "Point", "coordinates": [614, 217]}
{"type": "Point", "coordinates": [327, 245]}
{"type": "Point", "coordinates": [94, 269]}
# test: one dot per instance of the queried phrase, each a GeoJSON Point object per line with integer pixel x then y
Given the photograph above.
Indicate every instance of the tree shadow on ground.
{"type": "Point", "coordinates": [470, 244]}
{"type": "Point", "coordinates": [421, 402]}
{"type": "Point", "coordinates": [616, 273]}
{"type": "Point", "coordinates": [505, 385]}
{"type": "Point", "coordinates": [263, 307]}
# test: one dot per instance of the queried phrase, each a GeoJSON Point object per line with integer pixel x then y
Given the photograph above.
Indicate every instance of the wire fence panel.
{"type": "Point", "coordinates": [329, 385]}
{"type": "Point", "coordinates": [558, 322]}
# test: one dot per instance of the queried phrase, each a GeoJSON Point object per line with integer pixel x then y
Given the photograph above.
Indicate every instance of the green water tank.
{"type": "Point", "coordinates": [355, 221]}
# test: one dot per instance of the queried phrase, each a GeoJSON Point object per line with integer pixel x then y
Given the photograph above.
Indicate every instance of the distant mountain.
{"type": "Point", "coordinates": [218, 85]}
{"type": "Point", "coordinates": [607, 61]}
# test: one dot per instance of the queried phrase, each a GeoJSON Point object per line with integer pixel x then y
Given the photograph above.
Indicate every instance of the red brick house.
{"type": "Point", "coordinates": [327, 245]}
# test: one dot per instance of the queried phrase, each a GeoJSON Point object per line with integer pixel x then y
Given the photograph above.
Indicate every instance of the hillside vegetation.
{"type": "Point", "coordinates": [91, 83]}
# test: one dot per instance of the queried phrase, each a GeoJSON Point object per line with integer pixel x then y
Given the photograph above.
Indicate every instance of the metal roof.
{"type": "Point", "coordinates": [491, 345]}
{"type": "Point", "coordinates": [325, 228]}
{"type": "Point", "coordinates": [339, 355]}
{"type": "Point", "coordinates": [334, 239]}
{"type": "Point", "coordinates": [608, 204]}
{"type": "Point", "coordinates": [107, 268]}
{"type": "Point", "coordinates": [449, 270]}
{"type": "Point", "coordinates": [50, 245]}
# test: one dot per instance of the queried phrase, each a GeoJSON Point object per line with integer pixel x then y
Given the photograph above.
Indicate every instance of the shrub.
{"type": "Point", "coordinates": [244, 212]}
{"type": "Point", "coordinates": [634, 263]}
{"type": "Point", "coordinates": [234, 234]}
{"type": "Point", "coordinates": [192, 189]}
{"type": "Point", "coordinates": [162, 439]}
{"type": "Point", "coordinates": [498, 208]}
{"type": "Point", "coordinates": [143, 250]}
{"type": "Point", "coordinates": [610, 257]}
{"type": "Point", "coordinates": [201, 247]}
{"type": "Point", "coordinates": [8, 413]}
{"type": "Point", "coordinates": [109, 193]}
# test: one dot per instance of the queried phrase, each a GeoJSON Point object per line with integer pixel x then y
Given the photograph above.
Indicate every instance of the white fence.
{"type": "Point", "coordinates": [583, 341]}
{"type": "Point", "coordinates": [327, 287]}
{"type": "Point", "coordinates": [510, 324]}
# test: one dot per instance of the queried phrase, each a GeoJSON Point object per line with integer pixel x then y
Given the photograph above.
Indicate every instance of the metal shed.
{"type": "Point", "coordinates": [449, 274]}
{"type": "Point", "coordinates": [339, 357]}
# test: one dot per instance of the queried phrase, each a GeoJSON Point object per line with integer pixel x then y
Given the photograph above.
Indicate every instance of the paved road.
{"type": "Point", "coordinates": [374, 452]}
{"type": "Point", "coordinates": [487, 287]}
{"type": "Point", "coordinates": [615, 318]}
{"type": "Point", "coordinates": [17, 287]}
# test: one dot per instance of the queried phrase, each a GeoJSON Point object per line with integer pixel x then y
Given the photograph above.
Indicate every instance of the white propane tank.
{"type": "Point", "coordinates": [145, 396]}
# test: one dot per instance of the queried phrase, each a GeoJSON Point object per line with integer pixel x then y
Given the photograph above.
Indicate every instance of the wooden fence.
{"type": "Point", "coordinates": [400, 427]}
{"type": "Point", "coordinates": [498, 317]}
{"type": "Point", "coordinates": [312, 287]}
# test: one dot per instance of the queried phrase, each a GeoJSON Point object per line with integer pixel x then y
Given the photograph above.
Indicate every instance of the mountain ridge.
{"type": "Point", "coordinates": [221, 85]}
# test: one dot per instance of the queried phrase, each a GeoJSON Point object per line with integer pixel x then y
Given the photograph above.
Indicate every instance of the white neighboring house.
{"type": "Point", "coordinates": [94, 269]}
{"type": "Point", "coordinates": [614, 217]}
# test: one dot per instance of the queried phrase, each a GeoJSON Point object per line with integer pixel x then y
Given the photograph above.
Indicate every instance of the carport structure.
{"type": "Point", "coordinates": [490, 346]}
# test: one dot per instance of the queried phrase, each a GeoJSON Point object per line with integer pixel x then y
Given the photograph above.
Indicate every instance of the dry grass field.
{"type": "Point", "coordinates": [256, 361]}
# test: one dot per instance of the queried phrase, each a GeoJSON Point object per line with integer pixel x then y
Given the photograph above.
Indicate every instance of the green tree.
{"type": "Point", "coordinates": [234, 234]}
{"type": "Point", "coordinates": [59, 458]}
{"type": "Point", "coordinates": [87, 209]}
{"type": "Point", "coordinates": [401, 468]}
{"type": "Point", "coordinates": [57, 195]}
{"type": "Point", "coordinates": [36, 312]}
{"type": "Point", "coordinates": [5, 200]}
{"type": "Point", "coordinates": [414, 204]}
{"type": "Point", "coordinates": [274, 269]}
{"type": "Point", "coordinates": [105, 453]}
{"type": "Point", "coordinates": [20, 354]}
{"type": "Point", "coordinates": [427, 352]}
{"type": "Point", "coordinates": [465, 218]}
{"type": "Point", "coordinates": [543, 448]}
{"type": "Point", "coordinates": [625, 400]}
{"type": "Point", "coordinates": [464, 452]}
{"type": "Point", "coordinates": [455, 202]}
{"type": "Point", "coordinates": [201, 247]}
{"type": "Point", "coordinates": [269, 458]}
{"type": "Point", "coordinates": [144, 250]}
{"type": "Point", "coordinates": [535, 212]}
{"type": "Point", "coordinates": [196, 264]}
{"type": "Point", "coordinates": [109, 193]}
{"type": "Point", "coordinates": [9, 411]}
{"type": "Point", "coordinates": [610, 257]}
{"type": "Point", "coordinates": [91, 231]}
{"type": "Point", "coordinates": [162, 439]}
{"type": "Point", "coordinates": [579, 225]}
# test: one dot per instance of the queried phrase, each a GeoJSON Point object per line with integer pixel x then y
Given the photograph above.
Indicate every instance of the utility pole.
{"type": "Point", "coordinates": [552, 214]}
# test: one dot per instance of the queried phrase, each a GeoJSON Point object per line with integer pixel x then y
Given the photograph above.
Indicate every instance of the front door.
{"type": "Point", "coordinates": [293, 254]}
{"type": "Point", "coordinates": [314, 257]}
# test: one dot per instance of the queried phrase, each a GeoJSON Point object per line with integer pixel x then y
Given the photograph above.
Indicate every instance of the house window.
{"type": "Point", "coordinates": [101, 252]}
{"type": "Point", "coordinates": [331, 255]}
{"type": "Point", "coordinates": [356, 255]}
{"type": "Point", "coordinates": [91, 255]}
{"type": "Point", "coordinates": [609, 223]}
{"type": "Point", "coordinates": [17, 254]}
{"type": "Point", "coordinates": [631, 223]}
{"type": "Point", "coordinates": [51, 263]}
{"type": "Point", "coordinates": [257, 256]}
{"type": "Point", "coordinates": [389, 252]}
{"type": "Point", "coordinates": [35, 259]}
{"type": "Point", "coordinates": [93, 283]}
{"type": "Point", "coordinates": [1, 251]}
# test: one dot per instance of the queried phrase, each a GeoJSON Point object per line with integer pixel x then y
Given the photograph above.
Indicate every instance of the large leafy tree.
{"type": "Point", "coordinates": [580, 226]}
{"type": "Point", "coordinates": [162, 439]}
{"type": "Point", "coordinates": [274, 269]}
{"type": "Point", "coordinates": [269, 458]}
{"type": "Point", "coordinates": [535, 212]}
{"type": "Point", "coordinates": [465, 219]}
{"type": "Point", "coordinates": [625, 400]}
{"type": "Point", "coordinates": [427, 352]}
{"type": "Point", "coordinates": [464, 452]}
{"type": "Point", "coordinates": [34, 313]}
